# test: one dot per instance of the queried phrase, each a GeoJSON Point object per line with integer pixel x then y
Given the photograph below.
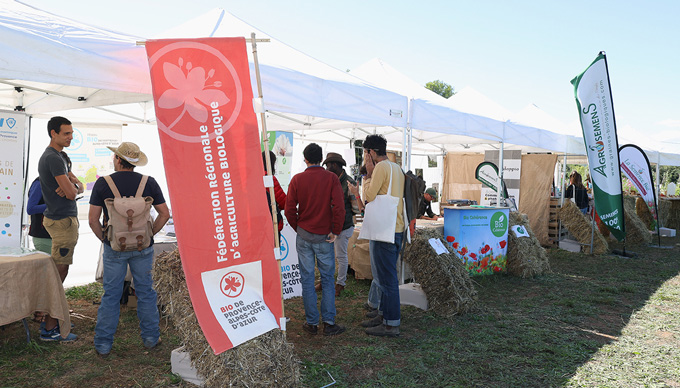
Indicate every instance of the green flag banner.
{"type": "Point", "coordinates": [596, 111]}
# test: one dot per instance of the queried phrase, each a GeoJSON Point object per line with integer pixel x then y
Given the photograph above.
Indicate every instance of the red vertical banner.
{"type": "Point", "coordinates": [211, 151]}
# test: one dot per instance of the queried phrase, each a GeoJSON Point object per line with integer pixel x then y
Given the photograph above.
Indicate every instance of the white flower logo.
{"type": "Point", "coordinates": [190, 90]}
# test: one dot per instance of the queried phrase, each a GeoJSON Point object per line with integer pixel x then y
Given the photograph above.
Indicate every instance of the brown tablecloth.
{"type": "Point", "coordinates": [359, 257]}
{"type": "Point", "coordinates": [32, 283]}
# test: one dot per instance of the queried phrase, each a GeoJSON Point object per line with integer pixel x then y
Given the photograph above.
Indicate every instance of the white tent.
{"type": "Point", "coordinates": [469, 100]}
{"type": "Point", "coordinates": [295, 83]}
{"type": "Point", "coordinates": [435, 121]}
{"type": "Point", "coordinates": [50, 63]}
{"type": "Point", "coordinates": [662, 151]}
{"type": "Point", "coordinates": [60, 64]}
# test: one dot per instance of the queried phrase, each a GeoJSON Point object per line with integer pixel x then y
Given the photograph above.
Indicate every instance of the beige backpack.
{"type": "Point", "coordinates": [130, 224]}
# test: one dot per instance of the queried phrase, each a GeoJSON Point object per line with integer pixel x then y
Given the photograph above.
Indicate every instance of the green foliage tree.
{"type": "Point", "coordinates": [440, 87]}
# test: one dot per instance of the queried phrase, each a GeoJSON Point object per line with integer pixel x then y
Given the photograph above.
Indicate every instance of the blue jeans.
{"type": "Point", "coordinates": [115, 269]}
{"type": "Point", "coordinates": [374, 293]}
{"type": "Point", "coordinates": [320, 254]}
{"type": "Point", "coordinates": [385, 257]}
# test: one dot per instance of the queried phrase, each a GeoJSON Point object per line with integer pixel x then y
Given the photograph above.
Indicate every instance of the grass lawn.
{"type": "Point", "coordinates": [595, 321]}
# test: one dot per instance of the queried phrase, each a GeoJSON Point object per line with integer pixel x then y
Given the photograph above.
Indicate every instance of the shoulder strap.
{"type": "Point", "coordinates": [142, 184]}
{"type": "Point", "coordinates": [389, 189]}
{"type": "Point", "coordinates": [112, 185]}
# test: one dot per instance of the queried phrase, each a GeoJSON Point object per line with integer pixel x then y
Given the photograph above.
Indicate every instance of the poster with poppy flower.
{"type": "Point", "coordinates": [211, 151]}
{"type": "Point", "coordinates": [479, 236]}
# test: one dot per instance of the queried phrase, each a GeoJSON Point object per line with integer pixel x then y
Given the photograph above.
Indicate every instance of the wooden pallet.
{"type": "Point", "coordinates": [554, 224]}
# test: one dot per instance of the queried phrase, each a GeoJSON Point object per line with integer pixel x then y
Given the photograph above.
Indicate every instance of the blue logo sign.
{"type": "Point", "coordinates": [284, 248]}
{"type": "Point", "coordinates": [77, 140]}
{"type": "Point", "coordinates": [11, 122]}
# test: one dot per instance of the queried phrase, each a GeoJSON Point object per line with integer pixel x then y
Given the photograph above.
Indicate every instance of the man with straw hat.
{"type": "Point", "coordinates": [126, 157]}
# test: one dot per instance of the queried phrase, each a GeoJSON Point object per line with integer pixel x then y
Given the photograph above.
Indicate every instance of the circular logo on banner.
{"type": "Point", "coordinates": [232, 284]}
{"type": "Point", "coordinates": [284, 248]}
{"type": "Point", "coordinates": [498, 224]}
{"type": "Point", "coordinates": [188, 92]}
{"type": "Point", "coordinates": [77, 140]}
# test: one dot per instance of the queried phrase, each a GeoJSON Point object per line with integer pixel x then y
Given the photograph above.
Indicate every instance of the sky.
{"type": "Point", "coordinates": [516, 53]}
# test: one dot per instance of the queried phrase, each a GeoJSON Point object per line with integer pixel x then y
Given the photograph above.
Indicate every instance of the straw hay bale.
{"type": "Point", "coordinates": [629, 199]}
{"type": "Point", "coordinates": [444, 279]}
{"type": "Point", "coordinates": [579, 226]}
{"type": "Point", "coordinates": [664, 211]}
{"type": "Point", "coordinates": [637, 232]}
{"type": "Point", "coordinates": [265, 361]}
{"type": "Point", "coordinates": [603, 229]}
{"type": "Point", "coordinates": [642, 211]}
{"type": "Point", "coordinates": [673, 219]}
{"type": "Point", "coordinates": [526, 257]}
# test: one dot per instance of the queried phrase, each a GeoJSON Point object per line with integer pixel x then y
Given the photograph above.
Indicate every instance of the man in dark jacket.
{"type": "Point", "coordinates": [335, 163]}
{"type": "Point", "coordinates": [425, 211]}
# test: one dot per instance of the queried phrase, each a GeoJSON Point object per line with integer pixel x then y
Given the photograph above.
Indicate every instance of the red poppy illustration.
{"type": "Point", "coordinates": [463, 251]}
{"type": "Point", "coordinates": [503, 244]}
{"type": "Point", "coordinates": [455, 245]}
{"type": "Point", "coordinates": [450, 238]}
{"type": "Point", "coordinates": [497, 269]}
{"type": "Point", "coordinates": [473, 255]}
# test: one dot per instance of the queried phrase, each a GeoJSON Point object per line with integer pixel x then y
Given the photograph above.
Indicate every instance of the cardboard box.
{"type": "Point", "coordinates": [412, 294]}
{"type": "Point", "coordinates": [570, 245]}
{"type": "Point", "coordinates": [667, 232]}
{"type": "Point", "coordinates": [181, 365]}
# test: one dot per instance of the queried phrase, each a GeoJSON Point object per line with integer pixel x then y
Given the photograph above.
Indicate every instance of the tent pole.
{"type": "Point", "coordinates": [500, 171]}
{"type": "Point", "coordinates": [265, 142]}
{"type": "Point", "coordinates": [656, 198]}
{"type": "Point", "coordinates": [658, 183]}
{"type": "Point", "coordinates": [410, 132]}
{"type": "Point", "coordinates": [27, 149]}
{"type": "Point", "coordinates": [561, 183]}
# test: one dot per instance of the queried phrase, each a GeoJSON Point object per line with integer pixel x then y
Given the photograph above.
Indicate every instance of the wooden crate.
{"type": "Point", "coordinates": [554, 224]}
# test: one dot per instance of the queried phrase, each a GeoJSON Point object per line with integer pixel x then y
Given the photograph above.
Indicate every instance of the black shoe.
{"type": "Point", "coordinates": [103, 356]}
{"type": "Point", "coordinates": [332, 329]}
{"type": "Point", "coordinates": [376, 321]}
{"type": "Point", "coordinates": [372, 314]}
{"type": "Point", "coordinates": [311, 329]}
{"type": "Point", "coordinates": [368, 307]}
{"type": "Point", "coordinates": [383, 331]}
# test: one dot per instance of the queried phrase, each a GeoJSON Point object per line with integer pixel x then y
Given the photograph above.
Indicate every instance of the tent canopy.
{"type": "Point", "coordinates": [58, 64]}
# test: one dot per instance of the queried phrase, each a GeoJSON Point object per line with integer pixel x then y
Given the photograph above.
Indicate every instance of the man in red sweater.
{"type": "Point", "coordinates": [315, 209]}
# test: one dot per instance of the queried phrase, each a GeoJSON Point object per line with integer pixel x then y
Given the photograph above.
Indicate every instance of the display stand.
{"type": "Point", "coordinates": [479, 234]}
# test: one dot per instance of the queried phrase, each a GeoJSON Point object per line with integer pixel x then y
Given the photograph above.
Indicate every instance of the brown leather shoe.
{"type": "Point", "coordinates": [373, 322]}
{"type": "Point", "coordinates": [311, 329]}
{"type": "Point", "coordinates": [332, 329]}
{"type": "Point", "coordinates": [338, 289]}
{"type": "Point", "coordinates": [317, 287]}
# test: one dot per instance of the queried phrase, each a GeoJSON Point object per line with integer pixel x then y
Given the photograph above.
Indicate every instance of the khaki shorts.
{"type": "Point", "coordinates": [64, 234]}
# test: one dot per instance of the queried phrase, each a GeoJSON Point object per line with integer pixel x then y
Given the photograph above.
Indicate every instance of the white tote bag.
{"type": "Point", "coordinates": [380, 216]}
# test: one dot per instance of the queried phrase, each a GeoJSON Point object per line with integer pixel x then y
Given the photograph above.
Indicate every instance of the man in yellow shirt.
{"type": "Point", "coordinates": [384, 255]}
